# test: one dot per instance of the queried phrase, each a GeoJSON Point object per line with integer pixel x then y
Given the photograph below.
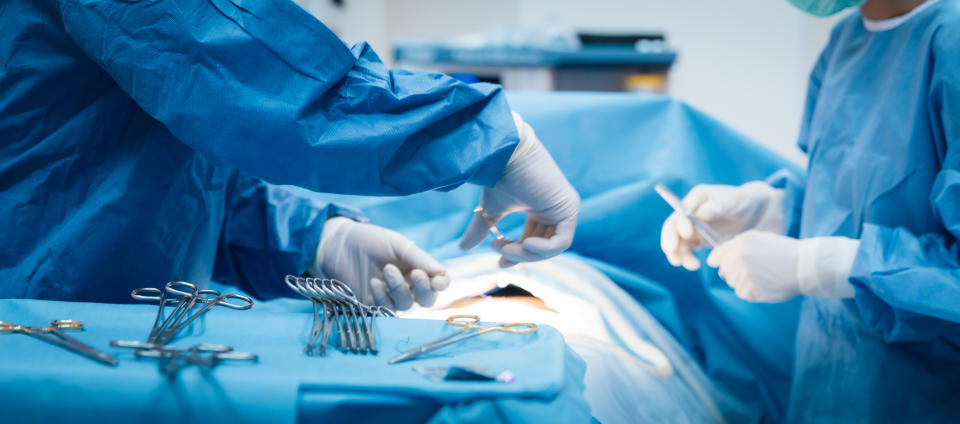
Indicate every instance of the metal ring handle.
{"type": "Point", "coordinates": [295, 284]}
{"type": "Point", "coordinates": [314, 290]}
{"type": "Point", "coordinates": [169, 287]}
{"type": "Point", "coordinates": [324, 289]}
{"type": "Point", "coordinates": [208, 296]}
{"type": "Point", "coordinates": [343, 290]}
{"type": "Point", "coordinates": [247, 302]}
{"type": "Point", "coordinates": [463, 320]}
{"type": "Point", "coordinates": [137, 293]}
{"type": "Point", "coordinates": [529, 327]}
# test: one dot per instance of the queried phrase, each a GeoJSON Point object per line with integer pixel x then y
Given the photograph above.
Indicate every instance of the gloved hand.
{"type": "Point", "coordinates": [729, 210]}
{"type": "Point", "coordinates": [381, 266]}
{"type": "Point", "coordinates": [532, 183]}
{"type": "Point", "coordinates": [767, 267]}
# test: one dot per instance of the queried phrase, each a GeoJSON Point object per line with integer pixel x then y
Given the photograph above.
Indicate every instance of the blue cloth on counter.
{"type": "Point", "coordinates": [614, 148]}
{"type": "Point", "coordinates": [882, 128]}
{"type": "Point", "coordinates": [44, 383]}
{"type": "Point", "coordinates": [137, 136]}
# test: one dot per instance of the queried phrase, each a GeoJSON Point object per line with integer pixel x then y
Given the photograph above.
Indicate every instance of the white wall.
{"type": "Point", "coordinates": [744, 62]}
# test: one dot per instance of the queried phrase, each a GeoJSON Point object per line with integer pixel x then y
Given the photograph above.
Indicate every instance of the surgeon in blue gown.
{"type": "Point", "coordinates": [870, 238]}
{"type": "Point", "coordinates": [148, 141]}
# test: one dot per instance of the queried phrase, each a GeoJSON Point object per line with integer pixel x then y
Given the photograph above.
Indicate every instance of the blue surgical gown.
{"type": "Point", "coordinates": [148, 141]}
{"type": "Point", "coordinates": [882, 130]}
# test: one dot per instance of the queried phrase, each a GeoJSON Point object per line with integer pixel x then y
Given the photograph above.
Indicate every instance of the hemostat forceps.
{"type": "Point", "coordinates": [353, 320]}
{"type": "Point", "coordinates": [188, 294]}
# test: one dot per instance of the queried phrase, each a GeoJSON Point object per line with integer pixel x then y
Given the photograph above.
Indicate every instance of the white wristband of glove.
{"type": "Point", "coordinates": [823, 266]}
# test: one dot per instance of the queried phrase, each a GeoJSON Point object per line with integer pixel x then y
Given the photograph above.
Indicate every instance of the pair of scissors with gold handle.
{"type": "Point", "coordinates": [471, 328]}
{"type": "Point", "coordinates": [53, 334]}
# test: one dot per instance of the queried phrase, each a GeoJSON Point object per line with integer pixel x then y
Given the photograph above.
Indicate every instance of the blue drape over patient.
{"type": "Point", "coordinates": [137, 136]}
{"type": "Point", "coordinates": [882, 128]}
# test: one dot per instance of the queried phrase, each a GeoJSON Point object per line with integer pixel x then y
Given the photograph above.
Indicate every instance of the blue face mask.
{"type": "Point", "coordinates": [824, 7]}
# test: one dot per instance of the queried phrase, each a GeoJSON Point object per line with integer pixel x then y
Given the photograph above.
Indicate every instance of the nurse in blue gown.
{"type": "Point", "coordinates": [870, 237]}
{"type": "Point", "coordinates": [149, 141]}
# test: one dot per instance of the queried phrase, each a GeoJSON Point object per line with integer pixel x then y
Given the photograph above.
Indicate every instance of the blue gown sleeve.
{"type": "Point", "coordinates": [907, 285]}
{"type": "Point", "coordinates": [792, 186]}
{"type": "Point", "coordinates": [264, 87]}
{"type": "Point", "coordinates": [269, 231]}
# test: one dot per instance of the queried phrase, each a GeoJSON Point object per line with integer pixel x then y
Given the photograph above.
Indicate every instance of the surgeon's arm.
{"type": "Point", "coordinates": [262, 86]}
{"type": "Point", "coordinates": [268, 232]}
{"type": "Point", "coordinates": [908, 286]}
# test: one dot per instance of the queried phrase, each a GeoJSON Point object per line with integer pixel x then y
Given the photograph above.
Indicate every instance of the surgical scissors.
{"type": "Point", "coordinates": [61, 339]}
{"type": "Point", "coordinates": [468, 322]}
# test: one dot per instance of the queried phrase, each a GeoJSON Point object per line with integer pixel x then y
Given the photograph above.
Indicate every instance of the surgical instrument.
{"type": "Point", "coordinates": [709, 235]}
{"type": "Point", "coordinates": [172, 359]}
{"type": "Point", "coordinates": [353, 320]}
{"type": "Point", "coordinates": [183, 304]}
{"type": "Point", "coordinates": [217, 300]}
{"type": "Point", "coordinates": [188, 294]}
{"type": "Point", "coordinates": [492, 222]}
{"type": "Point", "coordinates": [61, 339]}
{"type": "Point", "coordinates": [469, 323]}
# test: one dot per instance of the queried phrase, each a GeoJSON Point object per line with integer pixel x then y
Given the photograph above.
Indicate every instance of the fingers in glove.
{"type": "Point", "coordinates": [679, 251]}
{"type": "Point", "coordinates": [476, 232]}
{"type": "Point", "coordinates": [744, 293]}
{"type": "Point", "coordinates": [422, 287]}
{"type": "Point", "coordinates": [724, 258]}
{"type": "Point", "coordinates": [669, 240]}
{"type": "Point", "coordinates": [514, 251]}
{"type": "Point", "coordinates": [696, 197]}
{"type": "Point", "coordinates": [683, 256]}
{"type": "Point", "coordinates": [506, 263]}
{"type": "Point", "coordinates": [412, 256]}
{"type": "Point", "coordinates": [682, 230]}
{"type": "Point", "coordinates": [685, 229]}
{"type": "Point", "coordinates": [690, 261]}
{"type": "Point", "coordinates": [711, 211]}
{"type": "Point", "coordinates": [440, 283]}
{"type": "Point", "coordinates": [738, 282]}
{"type": "Point", "coordinates": [380, 296]}
{"type": "Point", "coordinates": [531, 228]}
{"type": "Point", "coordinates": [399, 289]}
{"type": "Point", "coordinates": [556, 239]}
{"type": "Point", "coordinates": [719, 253]}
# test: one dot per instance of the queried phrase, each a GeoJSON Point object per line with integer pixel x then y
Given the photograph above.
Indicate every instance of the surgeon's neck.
{"type": "Point", "coordinates": [877, 10]}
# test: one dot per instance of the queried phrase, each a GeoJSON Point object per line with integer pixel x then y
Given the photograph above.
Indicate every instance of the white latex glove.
{"type": "Point", "coordinates": [532, 183]}
{"type": "Point", "coordinates": [767, 267]}
{"type": "Point", "coordinates": [381, 266]}
{"type": "Point", "coordinates": [728, 209]}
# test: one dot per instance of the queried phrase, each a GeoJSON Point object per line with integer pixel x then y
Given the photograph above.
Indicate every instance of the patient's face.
{"type": "Point", "coordinates": [529, 301]}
